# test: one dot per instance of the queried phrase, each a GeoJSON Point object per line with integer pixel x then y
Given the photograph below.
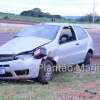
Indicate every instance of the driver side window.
{"type": "Point", "coordinates": [67, 35]}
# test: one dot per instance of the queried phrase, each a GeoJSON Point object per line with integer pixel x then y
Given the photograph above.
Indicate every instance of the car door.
{"type": "Point", "coordinates": [68, 50]}
{"type": "Point", "coordinates": [82, 38]}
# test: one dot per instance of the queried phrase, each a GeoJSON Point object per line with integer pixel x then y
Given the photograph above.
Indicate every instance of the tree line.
{"type": "Point", "coordinates": [37, 12]}
{"type": "Point", "coordinates": [89, 18]}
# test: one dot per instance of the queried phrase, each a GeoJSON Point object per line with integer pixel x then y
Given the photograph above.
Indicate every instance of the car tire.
{"type": "Point", "coordinates": [45, 72]}
{"type": "Point", "coordinates": [88, 58]}
{"type": "Point", "coordinates": [87, 62]}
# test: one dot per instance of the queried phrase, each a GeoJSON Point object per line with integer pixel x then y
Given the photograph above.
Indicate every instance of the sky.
{"type": "Point", "coordinates": [62, 7]}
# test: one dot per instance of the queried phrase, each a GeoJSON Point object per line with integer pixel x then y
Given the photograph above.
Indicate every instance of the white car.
{"type": "Point", "coordinates": [46, 45]}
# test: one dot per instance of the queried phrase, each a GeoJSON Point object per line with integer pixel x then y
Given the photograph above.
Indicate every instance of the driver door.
{"type": "Point", "coordinates": [67, 48]}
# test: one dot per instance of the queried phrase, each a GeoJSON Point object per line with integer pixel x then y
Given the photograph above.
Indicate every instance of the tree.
{"type": "Point", "coordinates": [89, 18]}
{"type": "Point", "coordinates": [37, 12]}
{"type": "Point", "coordinates": [5, 17]}
{"type": "Point", "coordinates": [57, 16]}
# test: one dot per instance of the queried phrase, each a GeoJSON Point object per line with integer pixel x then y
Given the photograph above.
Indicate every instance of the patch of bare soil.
{"type": "Point", "coordinates": [96, 61]}
{"type": "Point", "coordinates": [91, 91]}
{"type": "Point", "coordinates": [88, 91]}
{"type": "Point", "coordinates": [94, 30]}
{"type": "Point", "coordinates": [71, 94]}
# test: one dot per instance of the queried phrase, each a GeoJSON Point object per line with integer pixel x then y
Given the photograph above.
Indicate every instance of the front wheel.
{"type": "Point", "coordinates": [46, 71]}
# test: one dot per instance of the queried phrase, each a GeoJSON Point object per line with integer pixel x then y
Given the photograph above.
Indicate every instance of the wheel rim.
{"type": "Point", "coordinates": [48, 72]}
{"type": "Point", "coordinates": [90, 60]}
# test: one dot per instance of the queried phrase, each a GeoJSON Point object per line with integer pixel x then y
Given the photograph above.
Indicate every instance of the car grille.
{"type": "Point", "coordinates": [7, 74]}
{"type": "Point", "coordinates": [6, 57]}
{"type": "Point", "coordinates": [5, 65]}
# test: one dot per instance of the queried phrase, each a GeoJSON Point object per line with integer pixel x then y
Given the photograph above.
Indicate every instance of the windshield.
{"type": "Point", "coordinates": [43, 31]}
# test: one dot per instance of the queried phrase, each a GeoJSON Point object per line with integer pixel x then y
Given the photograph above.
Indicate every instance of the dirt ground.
{"type": "Point", "coordinates": [70, 94]}
{"type": "Point", "coordinates": [86, 90]}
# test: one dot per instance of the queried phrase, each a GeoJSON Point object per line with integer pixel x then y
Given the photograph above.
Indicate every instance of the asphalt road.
{"type": "Point", "coordinates": [4, 37]}
{"type": "Point", "coordinates": [96, 41]}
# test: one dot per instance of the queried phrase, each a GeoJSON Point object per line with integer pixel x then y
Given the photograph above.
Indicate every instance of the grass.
{"type": "Point", "coordinates": [56, 89]}
{"type": "Point", "coordinates": [9, 16]}
{"type": "Point", "coordinates": [29, 19]}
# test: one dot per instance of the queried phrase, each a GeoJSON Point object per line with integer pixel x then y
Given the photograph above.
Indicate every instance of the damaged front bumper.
{"type": "Point", "coordinates": [20, 68]}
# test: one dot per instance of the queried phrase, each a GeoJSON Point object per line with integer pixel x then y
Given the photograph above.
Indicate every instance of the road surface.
{"type": "Point", "coordinates": [96, 41]}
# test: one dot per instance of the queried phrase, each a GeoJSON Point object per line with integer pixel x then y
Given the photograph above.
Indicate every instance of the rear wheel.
{"type": "Point", "coordinates": [87, 62]}
{"type": "Point", "coordinates": [46, 71]}
{"type": "Point", "coordinates": [88, 58]}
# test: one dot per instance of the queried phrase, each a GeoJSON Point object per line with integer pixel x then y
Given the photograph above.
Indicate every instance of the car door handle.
{"type": "Point", "coordinates": [77, 44]}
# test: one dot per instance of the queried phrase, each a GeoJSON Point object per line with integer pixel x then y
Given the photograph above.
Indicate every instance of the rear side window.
{"type": "Point", "coordinates": [80, 32]}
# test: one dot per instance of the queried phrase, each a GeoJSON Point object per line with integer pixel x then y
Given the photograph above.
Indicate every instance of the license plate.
{"type": "Point", "coordinates": [2, 71]}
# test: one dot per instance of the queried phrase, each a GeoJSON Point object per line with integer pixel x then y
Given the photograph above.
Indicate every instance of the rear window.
{"type": "Point", "coordinates": [80, 32]}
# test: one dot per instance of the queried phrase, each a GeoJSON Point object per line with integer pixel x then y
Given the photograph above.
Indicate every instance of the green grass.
{"type": "Point", "coordinates": [29, 19]}
{"type": "Point", "coordinates": [34, 19]}
{"type": "Point", "coordinates": [54, 90]}
{"type": "Point", "coordinates": [37, 19]}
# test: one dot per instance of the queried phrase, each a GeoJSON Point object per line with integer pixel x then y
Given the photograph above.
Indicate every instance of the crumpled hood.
{"type": "Point", "coordinates": [22, 44]}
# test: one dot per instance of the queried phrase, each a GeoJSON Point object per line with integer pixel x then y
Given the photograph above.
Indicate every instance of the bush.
{"type": "Point", "coordinates": [5, 17]}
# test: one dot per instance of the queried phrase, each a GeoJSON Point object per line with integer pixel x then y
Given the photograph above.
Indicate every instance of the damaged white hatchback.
{"type": "Point", "coordinates": [40, 47]}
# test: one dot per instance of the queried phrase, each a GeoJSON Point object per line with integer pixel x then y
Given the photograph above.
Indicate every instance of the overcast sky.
{"type": "Point", "coordinates": [62, 7]}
